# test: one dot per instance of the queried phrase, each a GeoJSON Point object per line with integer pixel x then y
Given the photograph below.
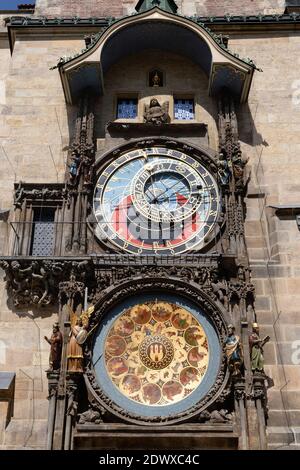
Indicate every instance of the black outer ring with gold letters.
{"type": "Point", "coordinates": [159, 155]}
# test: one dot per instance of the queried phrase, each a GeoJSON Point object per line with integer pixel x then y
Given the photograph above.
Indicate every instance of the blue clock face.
{"type": "Point", "coordinates": [162, 190]}
{"type": "Point", "coordinates": [156, 200]}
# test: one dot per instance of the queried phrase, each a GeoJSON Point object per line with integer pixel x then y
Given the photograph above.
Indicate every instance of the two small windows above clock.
{"type": "Point", "coordinates": [183, 108]}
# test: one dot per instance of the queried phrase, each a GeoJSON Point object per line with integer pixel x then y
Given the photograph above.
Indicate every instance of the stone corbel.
{"type": "Point", "coordinates": [259, 395]}
{"type": "Point", "coordinates": [53, 379]}
{"type": "Point", "coordinates": [72, 382]}
{"type": "Point", "coordinates": [292, 210]}
{"type": "Point", "coordinates": [239, 390]}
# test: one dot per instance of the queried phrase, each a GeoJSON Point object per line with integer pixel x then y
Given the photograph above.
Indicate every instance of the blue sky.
{"type": "Point", "coordinates": [12, 4]}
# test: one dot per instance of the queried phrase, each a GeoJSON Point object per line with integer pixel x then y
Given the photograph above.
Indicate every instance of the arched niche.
{"type": "Point", "coordinates": [156, 29]}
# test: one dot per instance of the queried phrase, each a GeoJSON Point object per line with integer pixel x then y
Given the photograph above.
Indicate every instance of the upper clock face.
{"type": "Point", "coordinates": [156, 200]}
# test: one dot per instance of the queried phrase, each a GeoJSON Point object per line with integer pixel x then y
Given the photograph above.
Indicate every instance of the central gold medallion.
{"type": "Point", "coordinates": [156, 352]}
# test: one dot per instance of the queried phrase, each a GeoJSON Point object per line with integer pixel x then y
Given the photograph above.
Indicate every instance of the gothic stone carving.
{"type": "Point", "coordinates": [80, 177]}
{"type": "Point", "coordinates": [53, 378]}
{"type": "Point", "coordinates": [231, 171]}
{"type": "Point", "coordinates": [81, 166]}
{"type": "Point", "coordinates": [94, 414]}
{"type": "Point", "coordinates": [259, 390]}
{"type": "Point", "coordinates": [216, 417]}
{"type": "Point", "coordinates": [233, 164]}
{"type": "Point", "coordinates": [38, 283]}
{"type": "Point", "coordinates": [34, 193]}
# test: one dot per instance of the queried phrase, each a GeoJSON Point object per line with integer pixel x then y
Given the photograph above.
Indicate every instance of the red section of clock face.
{"type": "Point", "coordinates": [155, 201]}
{"type": "Point", "coordinates": [121, 225]}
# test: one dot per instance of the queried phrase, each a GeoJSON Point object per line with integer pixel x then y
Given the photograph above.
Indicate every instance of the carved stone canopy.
{"type": "Point", "coordinates": [168, 5]}
{"type": "Point", "coordinates": [156, 29]}
{"type": "Point", "coordinates": [38, 192]}
{"type": "Point", "coordinates": [139, 286]}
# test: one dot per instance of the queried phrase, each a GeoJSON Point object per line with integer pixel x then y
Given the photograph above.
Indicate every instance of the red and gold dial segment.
{"type": "Point", "coordinates": [155, 200]}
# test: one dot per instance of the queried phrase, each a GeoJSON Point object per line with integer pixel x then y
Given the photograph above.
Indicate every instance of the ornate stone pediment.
{"type": "Point", "coordinates": [168, 5]}
{"type": "Point", "coordinates": [161, 29]}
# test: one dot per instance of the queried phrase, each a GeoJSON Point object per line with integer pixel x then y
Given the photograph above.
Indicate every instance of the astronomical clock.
{"type": "Point", "coordinates": [142, 249]}
{"type": "Point", "coordinates": [155, 302]}
{"type": "Point", "coordinates": [157, 355]}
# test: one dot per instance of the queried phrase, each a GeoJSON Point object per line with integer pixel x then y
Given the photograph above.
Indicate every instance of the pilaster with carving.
{"type": "Point", "coordinates": [232, 174]}
{"type": "Point", "coordinates": [72, 384]}
{"type": "Point", "coordinates": [53, 378]}
{"type": "Point", "coordinates": [80, 177]}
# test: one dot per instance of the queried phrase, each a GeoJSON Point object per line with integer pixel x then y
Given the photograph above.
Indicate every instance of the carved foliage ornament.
{"type": "Point", "coordinates": [46, 193]}
{"type": "Point", "coordinates": [38, 283]}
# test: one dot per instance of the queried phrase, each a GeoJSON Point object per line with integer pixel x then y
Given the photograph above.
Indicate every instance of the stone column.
{"type": "Point", "coordinates": [83, 231]}
{"type": "Point", "coordinates": [240, 410]}
{"type": "Point", "coordinates": [3, 418]}
{"type": "Point", "coordinates": [72, 386]}
{"type": "Point", "coordinates": [68, 291]}
{"type": "Point", "coordinates": [53, 378]}
{"type": "Point", "coordinates": [76, 226]}
{"type": "Point", "coordinates": [68, 224]}
{"type": "Point", "coordinates": [259, 394]}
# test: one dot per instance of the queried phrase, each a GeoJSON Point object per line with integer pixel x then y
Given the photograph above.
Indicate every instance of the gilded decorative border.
{"type": "Point", "coordinates": [111, 297]}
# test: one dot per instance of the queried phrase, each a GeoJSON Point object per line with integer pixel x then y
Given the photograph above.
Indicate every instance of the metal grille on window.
{"type": "Point", "coordinates": [43, 232]}
{"type": "Point", "coordinates": [184, 109]}
{"type": "Point", "coordinates": [127, 108]}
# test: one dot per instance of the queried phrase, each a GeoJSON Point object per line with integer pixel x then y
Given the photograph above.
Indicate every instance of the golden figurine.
{"type": "Point", "coordinates": [78, 336]}
{"type": "Point", "coordinates": [156, 80]}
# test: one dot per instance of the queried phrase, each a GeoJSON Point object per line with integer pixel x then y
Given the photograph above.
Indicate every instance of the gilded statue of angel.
{"type": "Point", "coordinates": [77, 337]}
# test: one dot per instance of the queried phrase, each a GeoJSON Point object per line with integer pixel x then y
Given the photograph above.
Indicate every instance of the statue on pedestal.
{"type": "Point", "coordinates": [234, 352]}
{"type": "Point", "coordinates": [55, 342]}
{"type": "Point", "coordinates": [77, 337]}
{"type": "Point", "coordinates": [156, 113]}
{"type": "Point", "coordinates": [256, 349]}
{"type": "Point", "coordinates": [74, 349]}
